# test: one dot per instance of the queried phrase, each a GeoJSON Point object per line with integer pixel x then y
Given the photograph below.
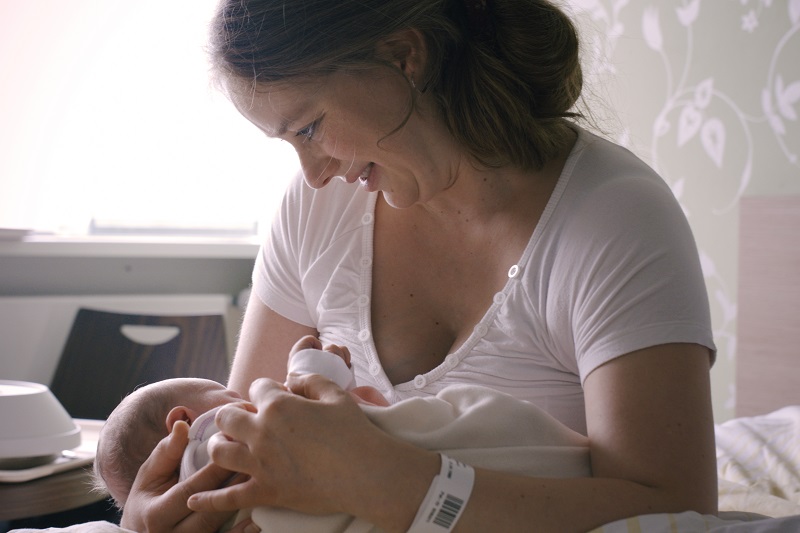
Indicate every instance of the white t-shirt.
{"type": "Point", "coordinates": [611, 267]}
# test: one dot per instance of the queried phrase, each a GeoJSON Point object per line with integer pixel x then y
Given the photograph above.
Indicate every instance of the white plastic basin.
{"type": "Point", "coordinates": [34, 426]}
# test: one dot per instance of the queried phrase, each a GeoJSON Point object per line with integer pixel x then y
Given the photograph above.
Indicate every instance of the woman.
{"type": "Point", "coordinates": [477, 236]}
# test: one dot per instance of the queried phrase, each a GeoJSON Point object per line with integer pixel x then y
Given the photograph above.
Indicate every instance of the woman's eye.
{"type": "Point", "coordinates": [308, 131]}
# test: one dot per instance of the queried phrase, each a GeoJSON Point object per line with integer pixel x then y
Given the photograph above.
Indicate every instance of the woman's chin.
{"type": "Point", "coordinates": [397, 201]}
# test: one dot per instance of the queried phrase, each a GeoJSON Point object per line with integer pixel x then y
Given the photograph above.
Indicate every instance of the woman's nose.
{"type": "Point", "coordinates": [318, 169]}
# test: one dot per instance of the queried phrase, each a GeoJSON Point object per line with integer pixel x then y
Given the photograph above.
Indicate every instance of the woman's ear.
{"type": "Point", "coordinates": [405, 49]}
{"type": "Point", "coordinates": [180, 413]}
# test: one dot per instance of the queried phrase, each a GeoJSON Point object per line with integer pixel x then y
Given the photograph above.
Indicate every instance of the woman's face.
{"type": "Point", "coordinates": [341, 126]}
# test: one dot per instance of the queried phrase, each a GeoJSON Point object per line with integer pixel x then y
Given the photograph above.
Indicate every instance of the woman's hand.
{"type": "Point", "coordinates": [285, 447]}
{"type": "Point", "coordinates": [309, 447]}
{"type": "Point", "coordinates": [157, 501]}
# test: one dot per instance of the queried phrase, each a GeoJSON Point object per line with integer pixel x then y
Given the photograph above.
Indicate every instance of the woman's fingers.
{"type": "Point", "coordinates": [263, 388]}
{"type": "Point", "coordinates": [243, 492]}
{"type": "Point", "coordinates": [157, 475]}
{"type": "Point", "coordinates": [158, 502]}
{"type": "Point", "coordinates": [209, 477]}
{"type": "Point", "coordinates": [341, 351]}
{"type": "Point", "coordinates": [229, 454]}
{"type": "Point", "coordinates": [163, 463]}
{"type": "Point", "coordinates": [314, 387]}
{"type": "Point", "coordinates": [232, 498]}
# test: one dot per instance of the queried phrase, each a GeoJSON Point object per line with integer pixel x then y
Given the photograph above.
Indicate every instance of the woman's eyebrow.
{"type": "Point", "coordinates": [284, 127]}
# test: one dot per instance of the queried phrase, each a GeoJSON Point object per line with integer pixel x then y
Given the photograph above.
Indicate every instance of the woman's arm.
{"type": "Point", "coordinates": [264, 344]}
{"type": "Point", "coordinates": [651, 440]}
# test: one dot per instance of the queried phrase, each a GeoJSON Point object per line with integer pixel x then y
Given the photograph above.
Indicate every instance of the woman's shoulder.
{"type": "Point", "coordinates": [612, 200]}
{"type": "Point", "coordinates": [606, 182]}
{"type": "Point", "coordinates": [603, 162]}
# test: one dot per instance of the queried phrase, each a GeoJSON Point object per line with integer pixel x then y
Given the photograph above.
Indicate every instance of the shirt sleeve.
{"type": "Point", "coordinates": [276, 275]}
{"type": "Point", "coordinates": [631, 274]}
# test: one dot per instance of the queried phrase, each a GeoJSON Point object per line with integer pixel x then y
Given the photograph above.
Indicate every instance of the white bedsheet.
{"type": "Point", "coordinates": [758, 463]}
{"type": "Point", "coordinates": [691, 522]}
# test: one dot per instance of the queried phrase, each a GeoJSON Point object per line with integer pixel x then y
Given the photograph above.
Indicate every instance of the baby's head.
{"type": "Point", "coordinates": [144, 418]}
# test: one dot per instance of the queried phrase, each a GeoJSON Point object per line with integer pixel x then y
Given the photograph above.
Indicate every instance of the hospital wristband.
{"type": "Point", "coordinates": [446, 499]}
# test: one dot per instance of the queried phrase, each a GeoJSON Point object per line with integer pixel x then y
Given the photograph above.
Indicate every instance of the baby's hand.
{"type": "Point", "coordinates": [312, 342]}
{"type": "Point", "coordinates": [341, 351]}
{"type": "Point", "coordinates": [305, 343]}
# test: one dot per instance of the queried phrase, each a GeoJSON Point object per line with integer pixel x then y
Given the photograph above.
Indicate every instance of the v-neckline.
{"type": "Point", "coordinates": [515, 274]}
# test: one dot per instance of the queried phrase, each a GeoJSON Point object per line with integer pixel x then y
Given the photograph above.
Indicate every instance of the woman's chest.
{"type": "Point", "coordinates": [429, 292]}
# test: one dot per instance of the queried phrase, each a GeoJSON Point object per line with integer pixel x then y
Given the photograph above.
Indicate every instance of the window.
{"type": "Point", "coordinates": [109, 122]}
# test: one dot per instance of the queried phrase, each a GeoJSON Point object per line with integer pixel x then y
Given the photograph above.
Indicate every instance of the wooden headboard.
{"type": "Point", "coordinates": [768, 355]}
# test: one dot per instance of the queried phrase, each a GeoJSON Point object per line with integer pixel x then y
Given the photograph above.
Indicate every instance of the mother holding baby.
{"type": "Point", "coordinates": [453, 224]}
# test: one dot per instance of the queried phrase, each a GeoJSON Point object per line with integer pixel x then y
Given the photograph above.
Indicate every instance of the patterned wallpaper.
{"type": "Point", "coordinates": [708, 93]}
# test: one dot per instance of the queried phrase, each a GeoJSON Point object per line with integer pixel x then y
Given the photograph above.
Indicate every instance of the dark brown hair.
{"type": "Point", "coordinates": [504, 91]}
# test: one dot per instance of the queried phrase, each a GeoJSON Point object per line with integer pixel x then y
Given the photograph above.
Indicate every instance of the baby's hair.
{"type": "Point", "coordinates": [131, 433]}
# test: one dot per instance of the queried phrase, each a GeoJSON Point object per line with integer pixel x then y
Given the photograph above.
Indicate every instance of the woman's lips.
{"type": "Point", "coordinates": [365, 176]}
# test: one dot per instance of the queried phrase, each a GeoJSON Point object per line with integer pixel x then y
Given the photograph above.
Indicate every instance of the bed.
{"type": "Point", "coordinates": [758, 453]}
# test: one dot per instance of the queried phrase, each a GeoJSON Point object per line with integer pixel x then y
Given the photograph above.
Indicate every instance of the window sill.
{"type": "Point", "coordinates": [48, 265]}
{"type": "Point", "coordinates": [131, 247]}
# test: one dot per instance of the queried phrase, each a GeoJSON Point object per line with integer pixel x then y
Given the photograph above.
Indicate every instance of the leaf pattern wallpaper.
{"type": "Point", "coordinates": [708, 93]}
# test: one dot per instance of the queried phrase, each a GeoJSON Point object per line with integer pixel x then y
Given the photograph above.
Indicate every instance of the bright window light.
{"type": "Point", "coordinates": [109, 121]}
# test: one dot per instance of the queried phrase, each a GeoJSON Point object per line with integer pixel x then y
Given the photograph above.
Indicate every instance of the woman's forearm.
{"type": "Point", "coordinates": [509, 503]}
{"type": "Point", "coordinates": [502, 502]}
{"type": "Point", "coordinates": [396, 487]}
{"type": "Point", "coordinates": [263, 347]}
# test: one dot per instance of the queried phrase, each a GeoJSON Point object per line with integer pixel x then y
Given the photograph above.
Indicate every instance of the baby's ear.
{"type": "Point", "coordinates": [180, 413]}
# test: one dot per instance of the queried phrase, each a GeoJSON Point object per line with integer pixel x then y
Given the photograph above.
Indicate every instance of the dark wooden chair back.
{"type": "Point", "coordinates": [100, 364]}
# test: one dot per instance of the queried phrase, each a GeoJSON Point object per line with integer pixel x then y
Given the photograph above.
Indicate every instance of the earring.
{"type": "Point", "coordinates": [414, 86]}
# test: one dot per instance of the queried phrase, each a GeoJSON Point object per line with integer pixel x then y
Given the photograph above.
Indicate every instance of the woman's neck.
{"type": "Point", "coordinates": [482, 194]}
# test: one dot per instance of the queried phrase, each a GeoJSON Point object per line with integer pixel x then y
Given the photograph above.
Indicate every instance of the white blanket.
{"type": "Point", "coordinates": [478, 426]}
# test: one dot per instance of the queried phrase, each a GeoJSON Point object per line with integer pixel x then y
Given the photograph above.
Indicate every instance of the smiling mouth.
{"type": "Point", "coordinates": [364, 176]}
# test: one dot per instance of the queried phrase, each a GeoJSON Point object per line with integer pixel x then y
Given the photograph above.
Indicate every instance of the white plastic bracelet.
{"type": "Point", "coordinates": [446, 499]}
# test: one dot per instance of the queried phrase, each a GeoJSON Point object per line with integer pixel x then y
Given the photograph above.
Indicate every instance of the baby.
{"type": "Point", "coordinates": [147, 415]}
